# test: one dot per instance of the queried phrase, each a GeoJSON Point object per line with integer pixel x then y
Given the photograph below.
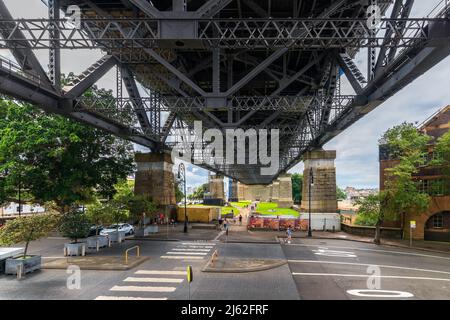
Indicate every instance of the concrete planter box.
{"type": "Point", "coordinates": [146, 231]}
{"type": "Point", "coordinates": [75, 249]}
{"type": "Point", "coordinates": [152, 229]}
{"type": "Point", "coordinates": [97, 242]}
{"type": "Point", "coordinates": [116, 236]}
{"type": "Point", "coordinates": [30, 264]}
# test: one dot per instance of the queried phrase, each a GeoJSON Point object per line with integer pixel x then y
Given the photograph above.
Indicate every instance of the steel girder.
{"type": "Point", "coordinates": [306, 34]}
{"type": "Point", "coordinates": [293, 83]}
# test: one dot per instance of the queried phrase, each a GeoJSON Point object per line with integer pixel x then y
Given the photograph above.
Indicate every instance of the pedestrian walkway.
{"type": "Point", "coordinates": [196, 250]}
{"type": "Point", "coordinates": [154, 284]}
{"type": "Point", "coordinates": [158, 284]}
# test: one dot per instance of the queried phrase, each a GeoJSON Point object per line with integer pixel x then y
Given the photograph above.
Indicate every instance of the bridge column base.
{"type": "Point", "coordinates": [323, 191]}
{"type": "Point", "coordinates": [155, 178]}
{"type": "Point", "coordinates": [285, 191]}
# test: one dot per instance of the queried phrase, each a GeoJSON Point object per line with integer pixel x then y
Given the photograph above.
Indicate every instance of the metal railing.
{"type": "Point", "coordinates": [13, 67]}
{"type": "Point", "coordinates": [138, 252]}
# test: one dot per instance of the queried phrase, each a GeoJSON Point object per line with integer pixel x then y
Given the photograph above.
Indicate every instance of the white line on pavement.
{"type": "Point", "coordinates": [163, 272]}
{"type": "Point", "coordinates": [367, 264]}
{"type": "Point", "coordinates": [198, 244]}
{"type": "Point", "coordinates": [366, 276]}
{"type": "Point", "coordinates": [126, 298]}
{"type": "Point", "coordinates": [182, 257]}
{"type": "Point", "coordinates": [160, 280]}
{"type": "Point", "coordinates": [143, 289]}
{"type": "Point", "coordinates": [374, 250]}
{"type": "Point", "coordinates": [184, 249]}
{"type": "Point", "coordinates": [189, 253]}
{"type": "Point", "coordinates": [219, 235]}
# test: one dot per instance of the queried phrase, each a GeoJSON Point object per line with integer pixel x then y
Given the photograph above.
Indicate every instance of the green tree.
{"type": "Point", "coordinates": [179, 194]}
{"type": "Point", "coordinates": [98, 215]}
{"type": "Point", "coordinates": [74, 225]}
{"type": "Point", "coordinates": [199, 192]}
{"type": "Point", "coordinates": [297, 184]}
{"type": "Point", "coordinates": [27, 229]}
{"type": "Point", "coordinates": [401, 193]}
{"type": "Point", "coordinates": [340, 194]}
{"type": "Point", "coordinates": [57, 159]}
{"type": "Point", "coordinates": [368, 211]}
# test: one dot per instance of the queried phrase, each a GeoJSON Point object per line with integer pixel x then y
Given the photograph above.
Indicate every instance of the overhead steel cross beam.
{"type": "Point", "coordinates": [22, 87]}
{"type": "Point", "coordinates": [316, 33]}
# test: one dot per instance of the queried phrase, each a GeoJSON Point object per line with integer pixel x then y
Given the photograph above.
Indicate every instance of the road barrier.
{"type": "Point", "coordinates": [138, 252]}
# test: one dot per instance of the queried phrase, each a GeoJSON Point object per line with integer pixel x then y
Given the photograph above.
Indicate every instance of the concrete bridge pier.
{"type": "Point", "coordinates": [323, 192]}
{"type": "Point", "coordinates": [216, 194]}
{"type": "Point", "coordinates": [285, 191]}
{"type": "Point", "coordinates": [155, 178]}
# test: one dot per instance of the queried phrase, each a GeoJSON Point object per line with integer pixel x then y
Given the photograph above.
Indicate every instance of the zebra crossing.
{"type": "Point", "coordinates": [189, 251]}
{"type": "Point", "coordinates": [148, 284]}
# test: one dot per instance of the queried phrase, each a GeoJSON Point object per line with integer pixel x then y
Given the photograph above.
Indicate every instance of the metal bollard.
{"type": "Point", "coordinates": [19, 271]}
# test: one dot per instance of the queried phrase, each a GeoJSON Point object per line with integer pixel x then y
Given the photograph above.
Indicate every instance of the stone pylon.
{"type": "Point", "coordinates": [216, 195]}
{"type": "Point", "coordinates": [285, 191]}
{"type": "Point", "coordinates": [155, 178]}
{"type": "Point", "coordinates": [323, 190]}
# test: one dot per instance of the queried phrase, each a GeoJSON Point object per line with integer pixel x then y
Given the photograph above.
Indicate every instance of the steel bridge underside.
{"type": "Point", "coordinates": [228, 63]}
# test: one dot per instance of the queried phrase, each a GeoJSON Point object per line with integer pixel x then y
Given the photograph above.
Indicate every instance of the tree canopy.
{"type": "Point", "coordinates": [297, 184]}
{"type": "Point", "coordinates": [56, 159]}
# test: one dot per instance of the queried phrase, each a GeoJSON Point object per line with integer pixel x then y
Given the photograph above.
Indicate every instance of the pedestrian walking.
{"type": "Point", "coordinates": [288, 235]}
{"type": "Point", "coordinates": [240, 219]}
{"type": "Point", "coordinates": [225, 226]}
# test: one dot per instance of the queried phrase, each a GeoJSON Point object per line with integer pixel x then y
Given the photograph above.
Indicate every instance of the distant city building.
{"type": "Point", "coordinates": [12, 209]}
{"type": "Point", "coordinates": [354, 194]}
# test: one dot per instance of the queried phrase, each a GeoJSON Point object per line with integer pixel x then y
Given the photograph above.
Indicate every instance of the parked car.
{"type": "Point", "coordinates": [126, 227]}
{"type": "Point", "coordinates": [93, 231]}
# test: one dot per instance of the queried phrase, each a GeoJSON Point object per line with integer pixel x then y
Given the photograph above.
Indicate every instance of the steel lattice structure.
{"type": "Point", "coordinates": [229, 63]}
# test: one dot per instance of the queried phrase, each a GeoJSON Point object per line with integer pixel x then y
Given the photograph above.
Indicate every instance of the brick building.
{"type": "Point", "coordinates": [434, 224]}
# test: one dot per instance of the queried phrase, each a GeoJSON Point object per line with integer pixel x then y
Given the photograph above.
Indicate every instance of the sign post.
{"type": "Point", "coordinates": [190, 278]}
{"type": "Point", "coordinates": [412, 225]}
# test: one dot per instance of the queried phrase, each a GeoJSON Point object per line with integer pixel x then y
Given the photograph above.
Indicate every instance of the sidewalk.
{"type": "Point", "coordinates": [272, 236]}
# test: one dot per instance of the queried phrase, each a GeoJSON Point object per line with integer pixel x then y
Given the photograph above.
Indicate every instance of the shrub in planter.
{"type": "Point", "coordinates": [74, 225]}
{"type": "Point", "coordinates": [25, 230]}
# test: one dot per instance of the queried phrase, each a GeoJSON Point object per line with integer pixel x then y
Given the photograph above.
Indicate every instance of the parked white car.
{"type": "Point", "coordinates": [124, 227]}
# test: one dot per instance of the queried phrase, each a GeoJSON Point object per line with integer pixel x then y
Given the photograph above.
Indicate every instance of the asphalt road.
{"type": "Point", "coordinates": [316, 269]}
{"type": "Point", "coordinates": [335, 269]}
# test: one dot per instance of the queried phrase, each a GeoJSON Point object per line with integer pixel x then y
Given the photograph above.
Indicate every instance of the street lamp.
{"type": "Point", "coordinates": [311, 183]}
{"type": "Point", "coordinates": [182, 177]}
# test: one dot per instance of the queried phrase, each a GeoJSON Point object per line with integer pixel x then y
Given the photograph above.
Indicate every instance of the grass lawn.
{"type": "Point", "coordinates": [271, 209]}
{"type": "Point", "coordinates": [240, 204]}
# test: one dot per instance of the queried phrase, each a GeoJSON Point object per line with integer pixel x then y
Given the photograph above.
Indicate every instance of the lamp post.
{"type": "Point", "coordinates": [311, 183]}
{"type": "Point", "coordinates": [182, 177]}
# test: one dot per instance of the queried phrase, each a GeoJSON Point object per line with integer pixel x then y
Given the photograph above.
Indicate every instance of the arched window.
{"type": "Point", "coordinates": [438, 220]}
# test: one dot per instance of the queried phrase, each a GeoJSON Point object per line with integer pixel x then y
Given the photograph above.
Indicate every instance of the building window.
{"type": "Point", "coordinates": [438, 221]}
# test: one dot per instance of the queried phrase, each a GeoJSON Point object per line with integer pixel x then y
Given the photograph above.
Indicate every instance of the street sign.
{"type": "Point", "coordinates": [413, 224]}
{"type": "Point", "coordinates": [190, 275]}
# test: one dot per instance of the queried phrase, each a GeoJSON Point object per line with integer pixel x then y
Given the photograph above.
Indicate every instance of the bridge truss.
{"type": "Point", "coordinates": [229, 63]}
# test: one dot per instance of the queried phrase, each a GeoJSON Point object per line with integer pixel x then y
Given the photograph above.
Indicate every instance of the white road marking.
{"type": "Point", "coordinates": [182, 257]}
{"type": "Point", "coordinates": [184, 249]}
{"type": "Point", "coordinates": [332, 253]}
{"type": "Point", "coordinates": [162, 272]}
{"type": "Point", "coordinates": [380, 293]}
{"type": "Point", "coordinates": [126, 298]}
{"type": "Point", "coordinates": [189, 253]}
{"type": "Point", "coordinates": [198, 244]}
{"type": "Point", "coordinates": [367, 276]}
{"type": "Point", "coordinates": [160, 280]}
{"type": "Point", "coordinates": [197, 247]}
{"type": "Point", "coordinates": [367, 264]}
{"type": "Point", "coordinates": [374, 250]}
{"type": "Point", "coordinates": [219, 235]}
{"type": "Point", "coordinates": [142, 289]}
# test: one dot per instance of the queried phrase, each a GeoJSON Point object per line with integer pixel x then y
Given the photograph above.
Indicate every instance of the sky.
{"type": "Point", "coordinates": [357, 147]}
